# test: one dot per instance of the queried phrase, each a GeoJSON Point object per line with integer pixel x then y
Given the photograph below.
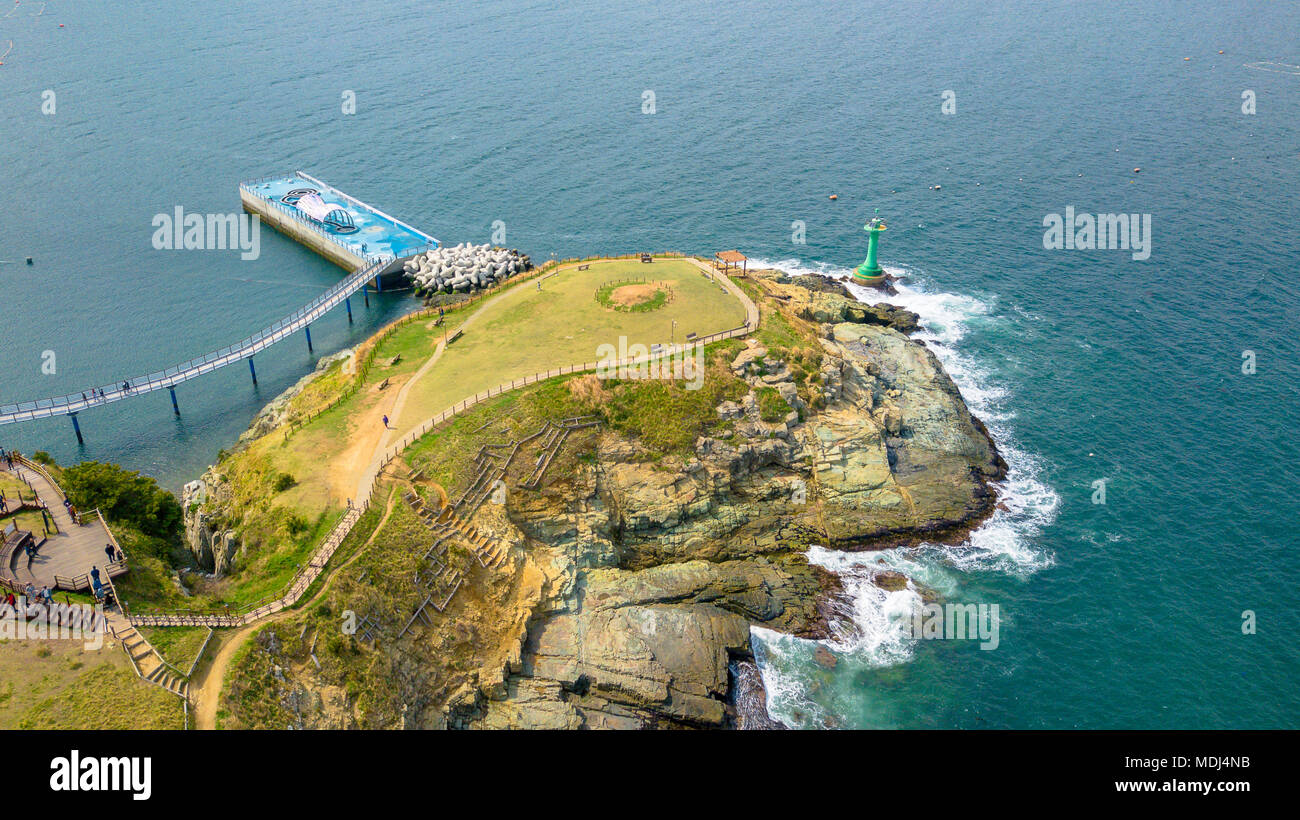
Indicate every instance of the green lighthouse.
{"type": "Point", "coordinates": [870, 272]}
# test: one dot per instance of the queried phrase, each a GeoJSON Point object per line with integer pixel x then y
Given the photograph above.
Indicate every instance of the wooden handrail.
{"type": "Point", "coordinates": [341, 530]}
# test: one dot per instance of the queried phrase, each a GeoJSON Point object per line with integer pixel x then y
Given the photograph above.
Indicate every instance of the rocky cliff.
{"type": "Point", "coordinates": [210, 533]}
{"type": "Point", "coordinates": [633, 576]}
{"type": "Point", "coordinates": [675, 559]}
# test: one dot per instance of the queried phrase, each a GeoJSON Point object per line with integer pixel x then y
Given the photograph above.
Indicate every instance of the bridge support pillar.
{"type": "Point", "coordinates": [347, 300]}
{"type": "Point", "coordinates": [310, 349]}
{"type": "Point", "coordinates": [77, 428]}
{"type": "Point", "coordinates": [176, 408]}
{"type": "Point", "coordinates": [252, 370]}
{"type": "Point", "coordinates": [378, 285]}
{"type": "Point", "coordinates": [366, 293]}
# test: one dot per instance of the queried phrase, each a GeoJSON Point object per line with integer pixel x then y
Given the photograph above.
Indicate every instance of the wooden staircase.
{"type": "Point", "coordinates": [146, 660]}
{"type": "Point", "coordinates": [487, 550]}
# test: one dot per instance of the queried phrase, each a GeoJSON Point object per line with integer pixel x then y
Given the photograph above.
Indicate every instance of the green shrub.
{"type": "Point", "coordinates": [771, 407]}
{"type": "Point", "coordinates": [284, 481]}
{"type": "Point", "coordinates": [124, 496]}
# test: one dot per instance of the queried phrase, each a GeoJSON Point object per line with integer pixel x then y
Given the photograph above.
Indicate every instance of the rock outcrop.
{"type": "Point", "coordinates": [213, 544]}
{"type": "Point", "coordinates": [673, 560]}
{"type": "Point", "coordinates": [822, 299]}
{"type": "Point", "coordinates": [634, 577]}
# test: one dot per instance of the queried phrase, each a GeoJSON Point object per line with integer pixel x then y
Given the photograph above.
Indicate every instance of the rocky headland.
{"type": "Point", "coordinates": [631, 575]}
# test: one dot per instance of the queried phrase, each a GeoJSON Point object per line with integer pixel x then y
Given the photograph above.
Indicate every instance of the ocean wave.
{"type": "Point", "coordinates": [873, 632]}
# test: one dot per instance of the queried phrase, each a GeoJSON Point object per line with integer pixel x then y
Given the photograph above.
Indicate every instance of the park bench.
{"type": "Point", "coordinates": [583, 267]}
{"type": "Point", "coordinates": [14, 541]}
{"type": "Point", "coordinates": [455, 335]}
{"type": "Point", "coordinates": [383, 385]}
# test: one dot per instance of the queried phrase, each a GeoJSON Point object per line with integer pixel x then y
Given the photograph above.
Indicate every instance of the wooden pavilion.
{"type": "Point", "coordinates": [726, 260]}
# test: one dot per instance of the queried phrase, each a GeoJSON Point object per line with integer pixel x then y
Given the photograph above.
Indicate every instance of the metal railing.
{"type": "Point", "coordinates": [308, 574]}
{"type": "Point", "coordinates": [172, 376]}
{"type": "Point", "coordinates": [302, 219]}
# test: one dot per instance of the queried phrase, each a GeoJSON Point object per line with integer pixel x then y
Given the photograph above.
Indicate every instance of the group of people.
{"type": "Point", "coordinates": [32, 598]}
{"type": "Point", "coordinates": [99, 395]}
{"type": "Point", "coordinates": [103, 594]}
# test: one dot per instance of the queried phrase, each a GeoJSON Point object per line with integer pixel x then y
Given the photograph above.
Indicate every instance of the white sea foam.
{"type": "Point", "coordinates": [874, 631]}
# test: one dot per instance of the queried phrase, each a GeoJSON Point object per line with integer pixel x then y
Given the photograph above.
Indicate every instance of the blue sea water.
{"type": "Point", "coordinates": [1087, 365]}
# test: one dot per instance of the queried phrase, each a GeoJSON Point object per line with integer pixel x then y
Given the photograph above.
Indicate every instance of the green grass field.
{"type": "Point", "coordinates": [62, 685]}
{"type": "Point", "coordinates": [527, 331]}
{"type": "Point", "coordinates": [518, 332]}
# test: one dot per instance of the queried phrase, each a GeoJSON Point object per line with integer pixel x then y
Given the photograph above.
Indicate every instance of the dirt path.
{"type": "Point", "coordinates": [366, 432]}
{"type": "Point", "coordinates": [206, 690]}
{"type": "Point", "coordinates": [368, 436]}
{"type": "Point", "coordinates": [384, 439]}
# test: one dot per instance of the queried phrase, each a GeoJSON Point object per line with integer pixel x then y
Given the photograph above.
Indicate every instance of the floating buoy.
{"type": "Point", "coordinates": [834, 196]}
{"type": "Point", "coordinates": [29, 260]}
{"type": "Point", "coordinates": [1137, 170]}
{"type": "Point", "coordinates": [1185, 59]}
{"type": "Point", "coordinates": [1220, 51]}
{"type": "Point", "coordinates": [937, 187]}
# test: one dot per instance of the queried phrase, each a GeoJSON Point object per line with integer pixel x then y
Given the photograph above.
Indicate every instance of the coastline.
{"type": "Point", "coordinates": [813, 599]}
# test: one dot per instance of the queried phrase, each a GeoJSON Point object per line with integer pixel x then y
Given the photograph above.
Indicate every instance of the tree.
{"type": "Point", "coordinates": [125, 496]}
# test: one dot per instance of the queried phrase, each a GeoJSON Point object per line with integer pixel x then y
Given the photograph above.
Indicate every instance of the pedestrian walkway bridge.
{"type": "Point", "coordinates": [371, 245]}
{"type": "Point", "coordinates": [300, 319]}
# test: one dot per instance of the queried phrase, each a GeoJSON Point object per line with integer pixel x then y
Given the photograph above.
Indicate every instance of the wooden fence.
{"type": "Point", "coordinates": [308, 574]}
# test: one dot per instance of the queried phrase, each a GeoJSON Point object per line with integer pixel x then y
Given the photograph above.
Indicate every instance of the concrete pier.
{"type": "Point", "coordinates": [361, 234]}
{"type": "Point", "coordinates": [369, 243]}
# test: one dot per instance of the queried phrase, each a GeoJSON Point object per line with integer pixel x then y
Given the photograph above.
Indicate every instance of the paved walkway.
{"type": "Point", "coordinates": [71, 552]}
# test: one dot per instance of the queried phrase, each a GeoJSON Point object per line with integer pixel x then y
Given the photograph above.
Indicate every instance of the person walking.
{"type": "Point", "coordinates": [94, 575]}
{"type": "Point", "coordinates": [108, 550]}
{"type": "Point", "coordinates": [385, 422]}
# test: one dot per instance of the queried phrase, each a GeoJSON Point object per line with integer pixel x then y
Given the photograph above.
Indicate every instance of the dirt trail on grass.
{"type": "Point", "coordinates": [385, 438]}
{"type": "Point", "coordinates": [365, 433]}
{"type": "Point", "coordinates": [206, 689]}
{"type": "Point", "coordinates": [347, 478]}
